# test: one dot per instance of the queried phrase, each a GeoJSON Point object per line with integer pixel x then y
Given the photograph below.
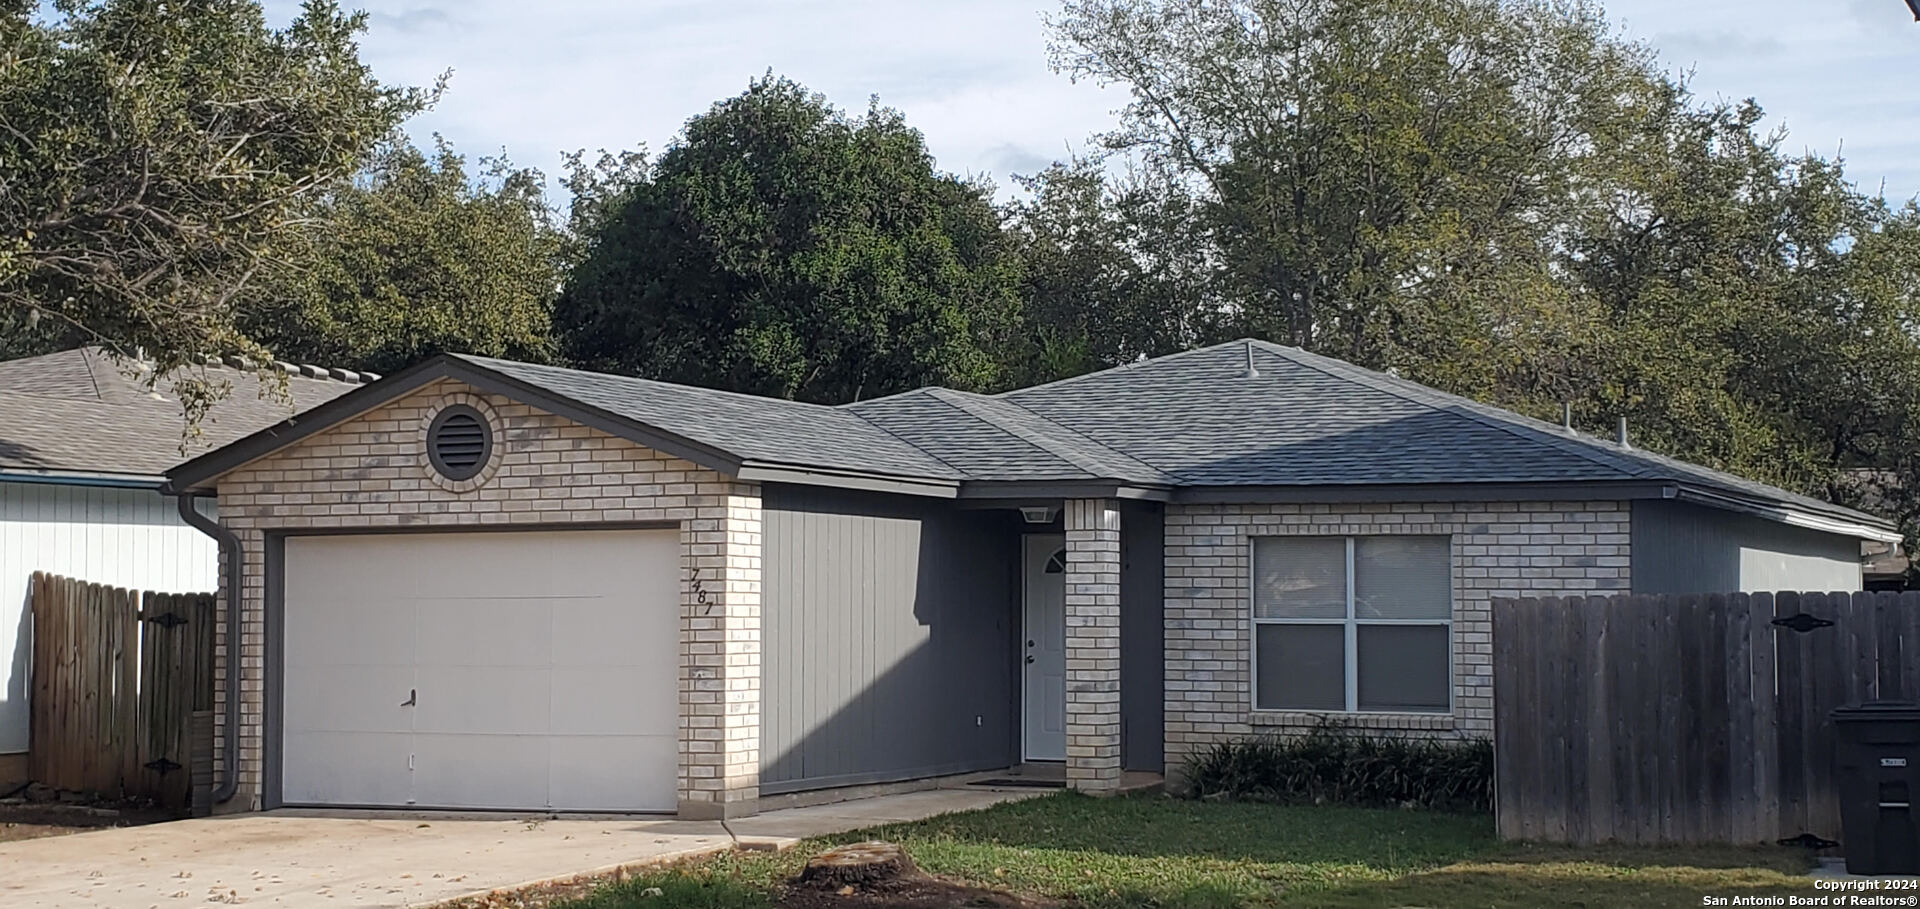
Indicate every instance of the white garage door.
{"type": "Point", "coordinates": [482, 670]}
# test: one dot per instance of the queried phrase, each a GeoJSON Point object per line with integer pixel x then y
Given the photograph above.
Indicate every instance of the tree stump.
{"type": "Point", "coordinates": [857, 865]}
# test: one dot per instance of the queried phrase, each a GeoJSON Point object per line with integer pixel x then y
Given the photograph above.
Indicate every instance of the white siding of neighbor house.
{"type": "Point", "coordinates": [123, 537]}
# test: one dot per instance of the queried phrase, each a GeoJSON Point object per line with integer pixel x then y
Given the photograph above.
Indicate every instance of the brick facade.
{"type": "Point", "coordinates": [371, 472]}
{"type": "Point", "coordinates": [1499, 549]}
{"type": "Point", "coordinates": [1092, 581]}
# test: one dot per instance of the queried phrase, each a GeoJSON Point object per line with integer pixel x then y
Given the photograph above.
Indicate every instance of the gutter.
{"type": "Point", "coordinates": [1794, 517]}
{"type": "Point", "coordinates": [764, 472]}
{"type": "Point", "coordinates": [230, 549]}
{"type": "Point", "coordinates": [80, 478]}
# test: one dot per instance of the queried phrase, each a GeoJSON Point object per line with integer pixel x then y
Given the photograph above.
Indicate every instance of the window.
{"type": "Point", "coordinates": [1353, 623]}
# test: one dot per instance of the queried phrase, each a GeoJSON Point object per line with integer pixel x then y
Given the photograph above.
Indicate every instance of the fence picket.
{"type": "Point", "coordinates": [111, 692]}
{"type": "Point", "coordinates": [1685, 718]}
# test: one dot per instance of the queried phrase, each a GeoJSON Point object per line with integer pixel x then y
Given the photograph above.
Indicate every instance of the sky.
{"type": "Point", "coordinates": [1842, 75]}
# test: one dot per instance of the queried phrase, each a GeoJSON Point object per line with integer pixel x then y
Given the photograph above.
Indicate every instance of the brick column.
{"type": "Point", "coordinates": [1093, 645]}
{"type": "Point", "coordinates": [720, 662]}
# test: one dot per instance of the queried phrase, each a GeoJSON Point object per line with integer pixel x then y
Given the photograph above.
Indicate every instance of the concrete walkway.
{"type": "Point", "coordinates": [300, 860]}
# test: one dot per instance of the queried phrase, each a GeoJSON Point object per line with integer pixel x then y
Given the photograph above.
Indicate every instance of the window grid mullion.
{"type": "Point", "coordinates": [1352, 660]}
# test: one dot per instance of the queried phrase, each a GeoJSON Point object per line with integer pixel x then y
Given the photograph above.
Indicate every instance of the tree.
{"type": "Point", "coordinates": [155, 158]}
{"type": "Point", "coordinates": [1108, 272]}
{"type": "Point", "coordinates": [1504, 199]}
{"type": "Point", "coordinates": [783, 248]}
{"type": "Point", "coordinates": [415, 258]}
{"type": "Point", "coordinates": [1379, 180]}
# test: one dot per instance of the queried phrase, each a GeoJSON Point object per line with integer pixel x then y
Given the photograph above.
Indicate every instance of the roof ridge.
{"type": "Point", "coordinates": [763, 399]}
{"type": "Point", "coordinates": [993, 419]}
{"type": "Point", "coordinates": [903, 439]}
{"type": "Point", "coordinates": [1137, 364]}
{"type": "Point", "coordinates": [1054, 426]}
{"type": "Point", "coordinates": [92, 352]}
{"type": "Point", "coordinates": [1391, 385]}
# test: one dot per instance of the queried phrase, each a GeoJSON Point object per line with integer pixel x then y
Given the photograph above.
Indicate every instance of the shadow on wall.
{"type": "Point", "coordinates": [13, 708]}
{"type": "Point", "coordinates": [888, 639]}
{"type": "Point", "coordinates": [135, 553]}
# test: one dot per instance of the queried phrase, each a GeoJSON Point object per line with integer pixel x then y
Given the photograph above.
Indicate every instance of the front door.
{"type": "Point", "coordinates": [1044, 645]}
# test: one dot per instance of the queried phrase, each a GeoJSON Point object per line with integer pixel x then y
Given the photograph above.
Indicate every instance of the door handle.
{"type": "Point", "coordinates": [413, 697]}
{"type": "Point", "coordinates": [1029, 660]}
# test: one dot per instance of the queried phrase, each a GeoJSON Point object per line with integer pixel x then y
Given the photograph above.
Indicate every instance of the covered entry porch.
{"type": "Point", "coordinates": [912, 639]}
{"type": "Point", "coordinates": [1092, 631]}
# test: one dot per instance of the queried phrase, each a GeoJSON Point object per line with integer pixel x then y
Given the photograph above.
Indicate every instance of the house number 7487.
{"type": "Point", "coordinates": [700, 597]}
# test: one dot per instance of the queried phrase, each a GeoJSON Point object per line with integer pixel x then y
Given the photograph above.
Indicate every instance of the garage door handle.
{"type": "Point", "coordinates": [413, 697]}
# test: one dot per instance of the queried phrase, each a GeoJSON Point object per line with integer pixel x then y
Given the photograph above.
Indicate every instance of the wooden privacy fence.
{"type": "Point", "coordinates": [1686, 719]}
{"type": "Point", "coordinates": [117, 677]}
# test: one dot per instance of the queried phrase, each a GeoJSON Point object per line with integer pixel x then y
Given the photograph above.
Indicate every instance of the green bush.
{"type": "Point", "coordinates": [1335, 765]}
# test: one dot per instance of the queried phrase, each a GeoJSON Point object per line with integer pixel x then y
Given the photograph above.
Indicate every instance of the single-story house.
{"type": "Point", "coordinates": [486, 584]}
{"type": "Point", "coordinates": [83, 443]}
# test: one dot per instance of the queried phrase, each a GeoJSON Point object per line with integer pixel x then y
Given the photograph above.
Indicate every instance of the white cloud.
{"type": "Point", "coordinates": [566, 74]}
{"type": "Point", "coordinates": [1838, 76]}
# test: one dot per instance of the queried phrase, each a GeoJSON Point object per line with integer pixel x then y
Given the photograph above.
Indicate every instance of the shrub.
{"type": "Point", "coordinates": [1334, 764]}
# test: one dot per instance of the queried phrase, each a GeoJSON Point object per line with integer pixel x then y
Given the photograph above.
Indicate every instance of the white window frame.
{"type": "Point", "coordinates": [1350, 625]}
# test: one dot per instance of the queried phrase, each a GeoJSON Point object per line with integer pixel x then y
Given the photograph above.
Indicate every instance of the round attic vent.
{"type": "Point", "coordinates": [459, 442]}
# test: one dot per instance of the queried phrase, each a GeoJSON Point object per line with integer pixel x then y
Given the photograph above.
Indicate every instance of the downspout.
{"type": "Point", "coordinates": [230, 548]}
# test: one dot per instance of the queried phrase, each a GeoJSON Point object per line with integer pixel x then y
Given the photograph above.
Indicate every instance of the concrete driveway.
{"type": "Point", "coordinates": [301, 860]}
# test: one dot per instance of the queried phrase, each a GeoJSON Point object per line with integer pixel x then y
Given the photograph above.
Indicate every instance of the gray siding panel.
{"type": "Point", "coordinates": [1142, 636]}
{"type": "Point", "coordinates": [888, 626]}
{"type": "Point", "coordinates": [1679, 547]}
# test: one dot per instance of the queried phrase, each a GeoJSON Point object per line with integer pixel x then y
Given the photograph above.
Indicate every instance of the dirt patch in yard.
{"type": "Point", "coordinates": [29, 822]}
{"type": "Point", "coordinates": [923, 891]}
{"type": "Point", "coordinates": [31, 812]}
{"type": "Point", "coordinates": [918, 891]}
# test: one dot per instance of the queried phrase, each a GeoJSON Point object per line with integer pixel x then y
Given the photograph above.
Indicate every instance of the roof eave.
{"type": "Point", "coordinates": [1064, 489]}
{"type": "Point", "coordinates": [1839, 520]}
{"type": "Point", "coordinates": [1578, 491]}
{"type": "Point", "coordinates": [801, 475]}
{"type": "Point", "coordinates": [54, 477]}
{"type": "Point", "coordinates": [199, 473]}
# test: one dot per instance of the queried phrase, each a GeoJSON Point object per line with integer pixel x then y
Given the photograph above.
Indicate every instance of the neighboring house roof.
{"type": "Point", "coordinates": [1200, 425]}
{"type": "Point", "coordinates": [79, 412]}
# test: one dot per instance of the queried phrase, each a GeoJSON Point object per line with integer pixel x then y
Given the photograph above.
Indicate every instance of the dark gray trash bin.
{"type": "Point", "coordinates": [1877, 765]}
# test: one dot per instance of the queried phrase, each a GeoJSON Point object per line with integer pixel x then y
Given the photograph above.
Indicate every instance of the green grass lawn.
{"type": "Point", "coordinates": [1156, 851]}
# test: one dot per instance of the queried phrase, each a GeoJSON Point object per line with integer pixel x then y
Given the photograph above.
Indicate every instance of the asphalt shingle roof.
{"type": "Point", "coordinates": [1192, 419]}
{"type": "Point", "coordinates": [1305, 419]}
{"type": "Point", "coordinates": [748, 426]}
{"type": "Point", "coordinates": [77, 410]}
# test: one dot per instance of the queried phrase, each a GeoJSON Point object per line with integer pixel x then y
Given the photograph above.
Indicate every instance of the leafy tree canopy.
{"type": "Point", "coordinates": [1501, 198]}
{"type": "Point", "coordinates": [781, 247]}
{"type": "Point", "coordinates": [155, 158]}
{"type": "Point", "coordinates": [414, 258]}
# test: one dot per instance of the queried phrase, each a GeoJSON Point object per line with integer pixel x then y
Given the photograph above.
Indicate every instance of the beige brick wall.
{"type": "Point", "coordinates": [372, 472]}
{"type": "Point", "coordinates": [1092, 582]}
{"type": "Point", "coordinates": [1499, 549]}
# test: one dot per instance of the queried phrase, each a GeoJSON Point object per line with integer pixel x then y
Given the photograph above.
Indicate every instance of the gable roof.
{"type": "Point", "coordinates": [749, 427]}
{"type": "Point", "coordinates": [79, 412]}
{"type": "Point", "coordinates": [1195, 425]}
